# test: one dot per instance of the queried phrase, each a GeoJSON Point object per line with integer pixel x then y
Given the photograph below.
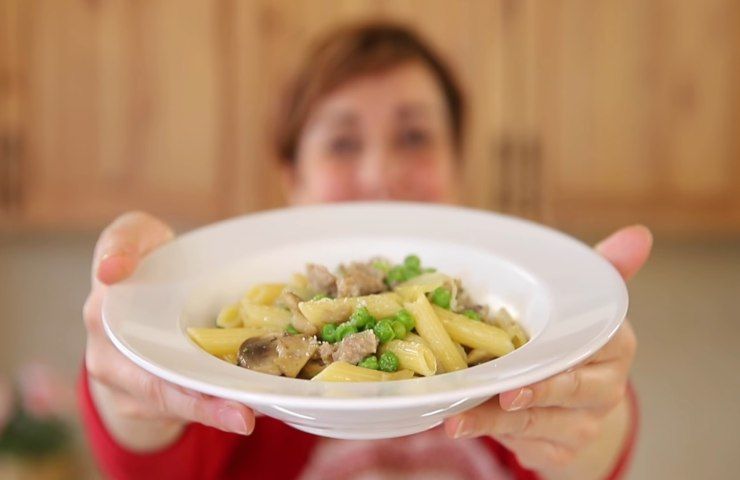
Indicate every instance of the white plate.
{"type": "Point", "coordinates": [569, 299]}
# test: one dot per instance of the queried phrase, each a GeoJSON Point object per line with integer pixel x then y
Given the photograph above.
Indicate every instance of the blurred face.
{"type": "Point", "coordinates": [378, 137]}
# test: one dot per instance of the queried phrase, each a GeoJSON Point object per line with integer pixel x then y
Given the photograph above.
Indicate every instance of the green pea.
{"type": "Point", "coordinates": [370, 362]}
{"type": "Point", "coordinates": [329, 333]}
{"type": "Point", "coordinates": [472, 314]}
{"type": "Point", "coordinates": [290, 330]}
{"type": "Point", "coordinates": [370, 324]}
{"type": "Point", "coordinates": [395, 275]}
{"type": "Point", "coordinates": [388, 362]}
{"type": "Point", "coordinates": [344, 330]}
{"type": "Point", "coordinates": [409, 273]}
{"type": "Point", "coordinates": [412, 262]}
{"type": "Point", "coordinates": [384, 330]}
{"type": "Point", "coordinates": [406, 319]}
{"type": "Point", "coordinates": [360, 317]}
{"type": "Point", "coordinates": [399, 330]}
{"type": "Point", "coordinates": [441, 296]}
{"type": "Point", "coordinates": [320, 296]}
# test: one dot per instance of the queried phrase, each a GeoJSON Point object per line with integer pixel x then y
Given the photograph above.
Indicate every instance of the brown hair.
{"type": "Point", "coordinates": [348, 53]}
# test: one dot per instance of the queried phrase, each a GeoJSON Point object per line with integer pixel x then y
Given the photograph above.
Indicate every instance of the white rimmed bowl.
{"type": "Point", "coordinates": [569, 299]}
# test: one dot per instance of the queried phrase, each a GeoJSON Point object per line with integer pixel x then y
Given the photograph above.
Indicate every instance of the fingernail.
{"type": "Point", "coordinates": [120, 250]}
{"type": "Point", "coordinates": [522, 400]}
{"type": "Point", "coordinates": [232, 420]}
{"type": "Point", "coordinates": [114, 267]}
{"type": "Point", "coordinates": [463, 429]}
{"type": "Point", "coordinates": [113, 251]}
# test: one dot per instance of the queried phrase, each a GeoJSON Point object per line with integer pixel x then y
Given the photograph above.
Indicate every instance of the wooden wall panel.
{"type": "Point", "coordinates": [695, 61]}
{"type": "Point", "coordinates": [582, 114]}
{"type": "Point", "coordinates": [599, 126]}
{"type": "Point", "coordinates": [122, 111]}
{"type": "Point", "coordinates": [636, 101]}
{"type": "Point", "coordinates": [12, 125]}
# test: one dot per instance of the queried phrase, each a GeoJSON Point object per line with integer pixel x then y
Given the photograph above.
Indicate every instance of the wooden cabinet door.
{"type": "Point", "coordinates": [123, 110]}
{"type": "Point", "coordinates": [638, 107]}
{"type": "Point", "coordinates": [584, 114]}
{"type": "Point", "coordinates": [696, 97]}
{"type": "Point", "coordinates": [11, 127]}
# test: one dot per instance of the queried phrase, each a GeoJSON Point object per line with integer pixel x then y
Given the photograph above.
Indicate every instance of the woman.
{"type": "Point", "coordinates": [374, 114]}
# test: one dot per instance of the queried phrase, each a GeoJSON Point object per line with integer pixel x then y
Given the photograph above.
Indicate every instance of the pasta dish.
{"type": "Point", "coordinates": [368, 321]}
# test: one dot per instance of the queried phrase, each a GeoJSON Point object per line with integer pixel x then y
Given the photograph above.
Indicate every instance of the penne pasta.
{"type": "Point", "coordinates": [331, 310]}
{"type": "Point", "coordinates": [477, 356]}
{"type": "Point", "coordinates": [230, 357]}
{"type": "Point", "coordinates": [222, 341]}
{"type": "Point", "coordinates": [413, 356]}
{"type": "Point", "coordinates": [474, 334]}
{"type": "Point", "coordinates": [264, 293]}
{"type": "Point", "coordinates": [422, 284]}
{"type": "Point", "coordinates": [412, 337]}
{"type": "Point", "coordinates": [229, 317]}
{"type": "Point", "coordinates": [408, 329]}
{"type": "Point", "coordinates": [461, 350]}
{"type": "Point", "coordinates": [300, 286]}
{"type": "Point", "coordinates": [346, 372]}
{"type": "Point", "coordinates": [516, 333]}
{"type": "Point", "coordinates": [431, 329]}
{"type": "Point", "coordinates": [326, 310]}
{"type": "Point", "coordinates": [255, 315]}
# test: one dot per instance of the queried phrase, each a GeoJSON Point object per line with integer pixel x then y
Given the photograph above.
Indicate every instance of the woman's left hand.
{"type": "Point", "coordinates": [550, 424]}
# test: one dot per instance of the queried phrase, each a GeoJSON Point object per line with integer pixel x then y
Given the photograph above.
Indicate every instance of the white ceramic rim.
{"type": "Point", "coordinates": [570, 265]}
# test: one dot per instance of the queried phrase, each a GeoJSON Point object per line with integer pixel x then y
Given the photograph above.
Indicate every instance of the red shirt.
{"type": "Point", "coordinates": [277, 451]}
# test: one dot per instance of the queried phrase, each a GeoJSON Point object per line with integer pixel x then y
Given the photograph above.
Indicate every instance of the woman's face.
{"type": "Point", "coordinates": [379, 137]}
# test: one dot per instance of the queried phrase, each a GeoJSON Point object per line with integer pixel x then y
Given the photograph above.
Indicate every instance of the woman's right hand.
{"type": "Point", "coordinates": [141, 411]}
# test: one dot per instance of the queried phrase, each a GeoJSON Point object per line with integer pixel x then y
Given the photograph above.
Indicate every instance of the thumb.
{"type": "Point", "coordinates": [124, 242]}
{"type": "Point", "coordinates": [627, 249]}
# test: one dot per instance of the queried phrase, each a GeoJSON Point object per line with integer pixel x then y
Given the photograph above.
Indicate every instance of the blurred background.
{"type": "Point", "coordinates": [585, 115]}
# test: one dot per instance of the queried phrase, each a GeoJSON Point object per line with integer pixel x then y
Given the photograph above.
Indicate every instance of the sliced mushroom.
{"type": "Point", "coordinates": [260, 354]}
{"type": "Point", "coordinates": [293, 351]}
{"type": "Point", "coordinates": [284, 355]}
{"type": "Point", "coordinates": [298, 321]}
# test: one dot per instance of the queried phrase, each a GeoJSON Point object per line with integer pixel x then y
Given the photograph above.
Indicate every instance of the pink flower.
{"type": "Point", "coordinates": [43, 392]}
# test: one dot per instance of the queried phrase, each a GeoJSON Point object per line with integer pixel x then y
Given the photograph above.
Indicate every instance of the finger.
{"type": "Point", "coordinates": [131, 407]}
{"type": "Point", "coordinates": [91, 312]}
{"type": "Point", "coordinates": [627, 249]}
{"type": "Point", "coordinates": [539, 455]}
{"type": "Point", "coordinates": [126, 405]}
{"type": "Point", "coordinates": [124, 242]}
{"type": "Point", "coordinates": [176, 401]}
{"type": "Point", "coordinates": [621, 348]}
{"type": "Point", "coordinates": [599, 386]}
{"type": "Point", "coordinates": [572, 428]}
{"type": "Point", "coordinates": [107, 366]}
